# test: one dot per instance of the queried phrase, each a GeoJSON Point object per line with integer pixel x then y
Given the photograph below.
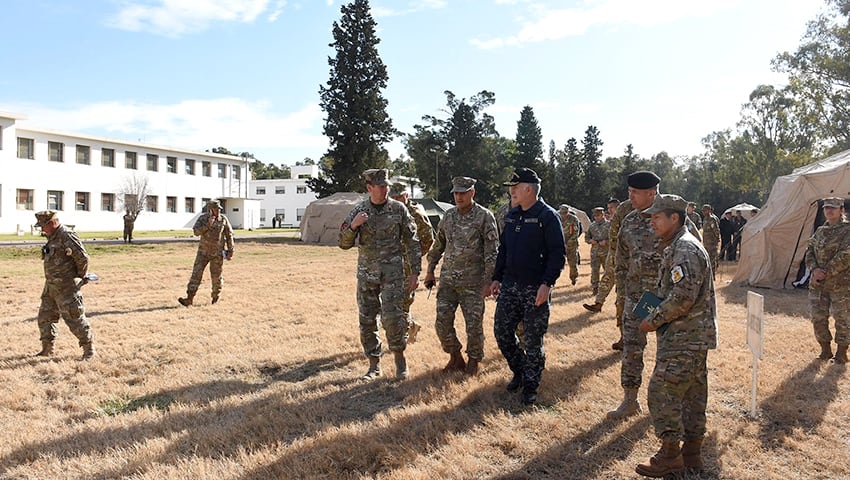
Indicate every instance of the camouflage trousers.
{"type": "Point", "coordinates": [408, 301]}
{"type": "Point", "coordinates": [634, 342]}
{"type": "Point", "coordinates": [598, 261]}
{"type": "Point", "coordinates": [678, 394]}
{"type": "Point", "coordinates": [713, 256]}
{"type": "Point", "coordinates": [472, 305]}
{"type": "Point", "coordinates": [572, 259]}
{"type": "Point", "coordinates": [607, 282]}
{"type": "Point", "coordinates": [514, 305]}
{"type": "Point", "coordinates": [838, 302]}
{"type": "Point", "coordinates": [387, 298]}
{"type": "Point", "coordinates": [65, 303]}
{"type": "Point", "coordinates": [128, 233]}
{"type": "Point", "coordinates": [216, 262]}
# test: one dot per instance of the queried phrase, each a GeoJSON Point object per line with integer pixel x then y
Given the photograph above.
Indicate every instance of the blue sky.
{"type": "Point", "coordinates": [245, 74]}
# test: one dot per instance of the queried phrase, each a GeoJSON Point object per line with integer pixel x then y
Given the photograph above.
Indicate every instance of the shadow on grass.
{"type": "Point", "coordinates": [799, 403]}
{"type": "Point", "coordinates": [793, 301]}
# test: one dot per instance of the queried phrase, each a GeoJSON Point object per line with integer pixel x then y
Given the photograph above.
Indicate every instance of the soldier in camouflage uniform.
{"type": "Point", "coordinates": [387, 234]}
{"type": "Point", "coordinates": [531, 256]}
{"type": "Point", "coordinates": [215, 246]}
{"type": "Point", "coordinates": [828, 257]}
{"type": "Point", "coordinates": [693, 216]}
{"type": "Point", "coordinates": [570, 224]}
{"type": "Point", "coordinates": [638, 257]}
{"type": "Point", "coordinates": [65, 266]}
{"type": "Point", "coordinates": [686, 326]}
{"type": "Point", "coordinates": [467, 235]}
{"type": "Point", "coordinates": [398, 192]}
{"type": "Point", "coordinates": [711, 236]}
{"type": "Point", "coordinates": [129, 223]}
{"type": "Point", "coordinates": [597, 236]}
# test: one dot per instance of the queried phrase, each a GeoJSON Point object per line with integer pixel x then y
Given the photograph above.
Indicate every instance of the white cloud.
{"type": "Point", "coordinates": [554, 24]}
{"type": "Point", "coordinates": [191, 124]}
{"type": "Point", "coordinates": [174, 18]}
{"type": "Point", "coordinates": [412, 7]}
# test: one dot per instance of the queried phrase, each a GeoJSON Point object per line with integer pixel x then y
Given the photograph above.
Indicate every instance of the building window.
{"type": "Point", "coordinates": [81, 201]}
{"type": "Point", "coordinates": [107, 202]}
{"type": "Point", "coordinates": [280, 214]}
{"type": "Point", "coordinates": [204, 201]}
{"type": "Point", "coordinates": [190, 166]}
{"type": "Point", "coordinates": [222, 170]}
{"type": "Point", "coordinates": [237, 172]}
{"type": "Point", "coordinates": [130, 160]}
{"type": "Point", "coordinates": [262, 214]}
{"type": "Point", "coordinates": [190, 205]}
{"type": "Point", "coordinates": [54, 200]}
{"type": "Point", "coordinates": [152, 200]}
{"type": "Point", "coordinates": [299, 213]}
{"type": "Point", "coordinates": [26, 148]}
{"type": "Point", "coordinates": [171, 204]}
{"type": "Point", "coordinates": [25, 199]}
{"type": "Point", "coordinates": [304, 176]}
{"type": "Point", "coordinates": [206, 169]}
{"type": "Point", "coordinates": [153, 162]}
{"type": "Point", "coordinates": [83, 154]}
{"type": "Point", "coordinates": [107, 157]}
{"type": "Point", "coordinates": [279, 190]}
{"type": "Point", "coordinates": [261, 190]}
{"type": "Point", "coordinates": [55, 151]}
{"type": "Point", "coordinates": [301, 189]}
{"type": "Point", "coordinates": [171, 164]}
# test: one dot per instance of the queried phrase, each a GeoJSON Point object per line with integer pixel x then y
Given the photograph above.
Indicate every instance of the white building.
{"type": "Point", "coordinates": [285, 199]}
{"type": "Point", "coordinates": [83, 177]}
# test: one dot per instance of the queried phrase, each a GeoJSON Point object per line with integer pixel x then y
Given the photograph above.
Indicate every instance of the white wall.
{"type": "Point", "coordinates": [290, 201]}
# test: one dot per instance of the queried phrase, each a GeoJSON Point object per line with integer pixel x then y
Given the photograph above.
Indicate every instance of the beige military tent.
{"type": "Point", "coordinates": [323, 217]}
{"type": "Point", "coordinates": [582, 217]}
{"type": "Point", "coordinates": [774, 241]}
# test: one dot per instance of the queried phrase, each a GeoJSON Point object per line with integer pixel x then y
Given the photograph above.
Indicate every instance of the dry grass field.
{"type": "Point", "coordinates": [265, 384]}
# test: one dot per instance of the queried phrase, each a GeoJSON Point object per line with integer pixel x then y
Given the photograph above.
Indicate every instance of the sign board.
{"type": "Point", "coordinates": [755, 324]}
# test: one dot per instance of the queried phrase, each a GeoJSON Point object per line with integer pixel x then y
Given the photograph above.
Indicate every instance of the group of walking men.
{"type": "Point", "coordinates": [648, 242]}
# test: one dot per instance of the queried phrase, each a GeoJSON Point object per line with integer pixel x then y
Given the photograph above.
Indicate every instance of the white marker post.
{"type": "Point", "coordinates": [755, 339]}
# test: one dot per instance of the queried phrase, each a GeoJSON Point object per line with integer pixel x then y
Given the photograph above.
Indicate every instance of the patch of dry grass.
{"type": "Point", "coordinates": [265, 384]}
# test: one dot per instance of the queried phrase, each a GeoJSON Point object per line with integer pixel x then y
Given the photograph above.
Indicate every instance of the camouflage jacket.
{"type": "Point", "coordinates": [638, 255]}
{"type": "Point", "coordinates": [711, 230]}
{"type": "Point", "coordinates": [687, 291]}
{"type": "Point", "coordinates": [215, 237]}
{"type": "Point", "coordinates": [423, 226]}
{"type": "Point", "coordinates": [470, 243]}
{"type": "Point", "coordinates": [829, 249]}
{"type": "Point", "coordinates": [571, 229]}
{"type": "Point", "coordinates": [599, 231]}
{"type": "Point", "coordinates": [696, 219]}
{"type": "Point", "coordinates": [385, 239]}
{"type": "Point", "coordinates": [623, 209]}
{"type": "Point", "coordinates": [500, 217]}
{"type": "Point", "coordinates": [65, 259]}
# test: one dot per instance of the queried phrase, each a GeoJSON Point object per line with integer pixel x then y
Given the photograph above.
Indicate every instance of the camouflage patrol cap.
{"type": "Point", "coordinates": [398, 189]}
{"type": "Point", "coordinates": [214, 204]}
{"type": "Point", "coordinates": [376, 176]}
{"type": "Point", "coordinates": [564, 208]}
{"type": "Point", "coordinates": [666, 201]}
{"type": "Point", "coordinates": [598, 210]}
{"type": "Point", "coordinates": [707, 207]}
{"type": "Point", "coordinates": [44, 216]}
{"type": "Point", "coordinates": [833, 202]}
{"type": "Point", "coordinates": [692, 204]}
{"type": "Point", "coordinates": [463, 184]}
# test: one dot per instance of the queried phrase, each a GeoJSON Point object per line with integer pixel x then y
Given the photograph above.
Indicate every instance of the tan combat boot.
{"type": "Point", "coordinates": [374, 369]}
{"type": "Point", "coordinates": [88, 351]}
{"type": "Point", "coordinates": [825, 350]}
{"type": "Point", "coordinates": [841, 354]}
{"type": "Point", "coordinates": [629, 406]}
{"type": "Point", "coordinates": [667, 461]}
{"type": "Point", "coordinates": [400, 365]}
{"type": "Point", "coordinates": [46, 349]}
{"type": "Point", "coordinates": [456, 362]}
{"type": "Point", "coordinates": [187, 300]}
{"type": "Point", "coordinates": [691, 454]}
{"type": "Point", "coordinates": [472, 366]}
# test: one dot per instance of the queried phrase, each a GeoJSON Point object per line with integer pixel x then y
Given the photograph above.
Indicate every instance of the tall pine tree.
{"type": "Point", "coordinates": [591, 154]}
{"type": "Point", "coordinates": [357, 123]}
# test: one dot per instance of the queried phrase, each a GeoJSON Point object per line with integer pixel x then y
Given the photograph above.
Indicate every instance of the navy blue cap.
{"type": "Point", "coordinates": [522, 175]}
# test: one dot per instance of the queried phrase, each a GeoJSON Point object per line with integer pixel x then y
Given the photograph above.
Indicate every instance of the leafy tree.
{"type": "Point", "coordinates": [357, 123]}
{"type": "Point", "coordinates": [403, 166]}
{"type": "Point", "coordinates": [569, 175]}
{"type": "Point", "coordinates": [261, 171]}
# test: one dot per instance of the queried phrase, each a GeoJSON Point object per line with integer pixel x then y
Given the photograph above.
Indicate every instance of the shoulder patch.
{"type": "Point", "coordinates": [677, 274]}
{"type": "Point", "coordinates": [68, 251]}
{"type": "Point", "coordinates": [344, 226]}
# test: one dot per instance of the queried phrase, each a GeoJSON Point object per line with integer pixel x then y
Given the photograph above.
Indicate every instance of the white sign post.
{"type": "Point", "coordinates": [755, 339]}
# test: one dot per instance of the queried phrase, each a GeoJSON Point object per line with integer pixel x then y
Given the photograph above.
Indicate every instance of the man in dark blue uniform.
{"type": "Point", "coordinates": [531, 256]}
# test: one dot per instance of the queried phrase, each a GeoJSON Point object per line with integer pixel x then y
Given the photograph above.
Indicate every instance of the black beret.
{"type": "Point", "coordinates": [643, 180]}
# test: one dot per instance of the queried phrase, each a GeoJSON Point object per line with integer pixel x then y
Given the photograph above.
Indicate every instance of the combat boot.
{"type": "Point", "coordinates": [187, 300]}
{"type": "Point", "coordinates": [214, 299]}
{"type": "Point", "coordinates": [618, 345]}
{"type": "Point", "coordinates": [595, 308]}
{"type": "Point", "coordinates": [400, 365]}
{"type": "Point", "coordinates": [515, 383]}
{"type": "Point", "coordinates": [629, 406]}
{"type": "Point", "coordinates": [412, 330]}
{"type": "Point", "coordinates": [472, 366]}
{"type": "Point", "coordinates": [841, 354]}
{"type": "Point", "coordinates": [88, 351]}
{"type": "Point", "coordinates": [667, 461]}
{"type": "Point", "coordinates": [595, 291]}
{"type": "Point", "coordinates": [46, 349]}
{"type": "Point", "coordinates": [374, 369]}
{"type": "Point", "coordinates": [825, 350]}
{"type": "Point", "coordinates": [456, 362]}
{"type": "Point", "coordinates": [691, 454]}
